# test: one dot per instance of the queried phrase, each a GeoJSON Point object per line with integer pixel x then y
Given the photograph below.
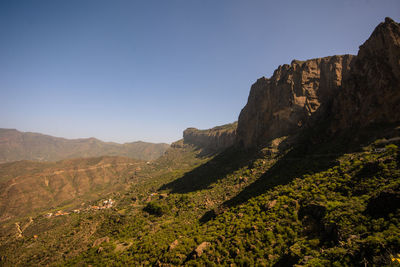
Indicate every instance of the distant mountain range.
{"type": "Point", "coordinates": [16, 145]}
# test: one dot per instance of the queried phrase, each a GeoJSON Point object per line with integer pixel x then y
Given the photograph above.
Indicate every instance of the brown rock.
{"type": "Point", "coordinates": [173, 245]}
{"type": "Point", "coordinates": [371, 92]}
{"type": "Point", "coordinates": [211, 140]}
{"type": "Point", "coordinates": [287, 101]}
{"type": "Point", "coordinates": [200, 249]}
{"type": "Point", "coordinates": [345, 91]}
{"type": "Point", "coordinates": [270, 204]}
{"type": "Point", "coordinates": [101, 240]}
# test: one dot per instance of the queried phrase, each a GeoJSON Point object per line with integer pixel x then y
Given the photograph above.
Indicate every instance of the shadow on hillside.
{"type": "Point", "coordinates": [217, 168]}
{"type": "Point", "coordinates": [313, 154]}
{"type": "Point", "coordinates": [301, 160]}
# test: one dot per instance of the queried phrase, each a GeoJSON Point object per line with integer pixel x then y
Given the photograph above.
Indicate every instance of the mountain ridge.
{"type": "Point", "coordinates": [16, 145]}
{"type": "Point", "coordinates": [343, 91]}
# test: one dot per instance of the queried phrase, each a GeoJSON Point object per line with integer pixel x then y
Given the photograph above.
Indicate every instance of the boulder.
{"type": "Point", "coordinates": [197, 252]}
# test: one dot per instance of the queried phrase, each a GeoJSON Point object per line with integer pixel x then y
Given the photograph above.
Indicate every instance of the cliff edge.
{"type": "Point", "coordinates": [211, 140]}
{"type": "Point", "coordinates": [344, 91]}
{"type": "Point", "coordinates": [371, 93]}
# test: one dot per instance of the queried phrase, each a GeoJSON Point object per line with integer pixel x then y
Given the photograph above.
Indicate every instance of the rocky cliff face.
{"type": "Point", "coordinates": [292, 98]}
{"type": "Point", "coordinates": [371, 93]}
{"type": "Point", "coordinates": [345, 91]}
{"type": "Point", "coordinates": [211, 140]}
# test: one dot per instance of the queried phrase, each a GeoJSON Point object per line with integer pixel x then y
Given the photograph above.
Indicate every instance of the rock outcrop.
{"type": "Point", "coordinates": [197, 252]}
{"type": "Point", "coordinates": [371, 93]}
{"type": "Point", "coordinates": [343, 91]}
{"type": "Point", "coordinates": [211, 140]}
{"type": "Point", "coordinates": [293, 97]}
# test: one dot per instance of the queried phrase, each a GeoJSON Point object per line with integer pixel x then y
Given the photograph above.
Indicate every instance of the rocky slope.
{"type": "Point", "coordinates": [344, 90]}
{"type": "Point", "coordinates": [211, 140]}
{"type": "Point", "coordinates": [15, 145]}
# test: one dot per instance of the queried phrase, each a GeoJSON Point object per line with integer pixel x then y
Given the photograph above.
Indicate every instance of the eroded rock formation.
{"type": "Point", "coordinates": [211, 140]}
{"type": "Point", "coordinates": [371, 93]}
{"type": "Point", "coordinates": [294, 95]}
{"type": "Point", "coordinates": [343, 91]}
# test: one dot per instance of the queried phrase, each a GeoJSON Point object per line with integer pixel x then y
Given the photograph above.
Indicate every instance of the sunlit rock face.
{"type": "Point", "coordinates": [211, 140]}
{"type": "Point", "coordinates": [292, 98]}
{"type": "Point", "coordinates": [340, 91]}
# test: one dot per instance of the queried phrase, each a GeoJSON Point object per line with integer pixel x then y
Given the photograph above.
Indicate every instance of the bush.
{"type": "Point", "coordinates": [155, 209]}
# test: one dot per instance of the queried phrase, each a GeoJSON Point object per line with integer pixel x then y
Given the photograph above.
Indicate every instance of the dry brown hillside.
{"type": "Point", "coordinates": [27, 187]}
{"type": "Point", "coordinates": [16, 145]}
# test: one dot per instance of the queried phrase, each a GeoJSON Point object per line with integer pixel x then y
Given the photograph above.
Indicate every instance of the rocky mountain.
{"type": "Point", "coordinates": [345, 91]}
{"type": "Point", "coordinates": [16, 145]}
{"type": "Point", "coordinates": [326, 202]}
{"type": "Point", "coordinates": [211, 140]}
{"type": "Point", "coordinates": [371, 91]}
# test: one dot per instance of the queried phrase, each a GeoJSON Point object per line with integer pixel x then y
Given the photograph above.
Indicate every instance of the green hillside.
{"type": "Point", "coordinates": [308, 176]}
{"type": "Point", "coordinates": [333, 203]}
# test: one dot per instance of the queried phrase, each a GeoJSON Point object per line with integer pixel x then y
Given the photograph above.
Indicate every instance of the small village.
{"type": "Point", "coordinates": [106, 204]}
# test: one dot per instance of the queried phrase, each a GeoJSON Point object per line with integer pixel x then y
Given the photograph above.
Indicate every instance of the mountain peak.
{"type": "Point", "coordinates": [372, 90]}
{"type": "Point", "coordinates": [389, 20]}
{"type": "Point", "coordinates": [348, 91]}
{"type": "Point", "coordinates": [384, 37]}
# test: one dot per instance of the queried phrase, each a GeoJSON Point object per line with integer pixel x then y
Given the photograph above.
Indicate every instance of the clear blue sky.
{"type": "Point", "coordinates": [146, 70]}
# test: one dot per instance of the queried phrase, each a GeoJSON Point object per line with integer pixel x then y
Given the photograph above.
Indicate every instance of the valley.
{"type": "Point", "coordinates": [309, 175]}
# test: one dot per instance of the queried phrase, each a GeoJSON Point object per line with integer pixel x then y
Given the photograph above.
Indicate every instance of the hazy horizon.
{"type": "Point", "coordinates": [125, 71]}
{"type": "Point", "coordinates": [90, 137]}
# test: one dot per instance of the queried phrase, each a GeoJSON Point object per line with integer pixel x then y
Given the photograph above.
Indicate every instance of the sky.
{"type": "Point", "coordinates": [125, 71]}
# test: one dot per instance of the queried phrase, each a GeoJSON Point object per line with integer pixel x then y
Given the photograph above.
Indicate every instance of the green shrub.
{"type": "Point", "coordinates": [155, 208]}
